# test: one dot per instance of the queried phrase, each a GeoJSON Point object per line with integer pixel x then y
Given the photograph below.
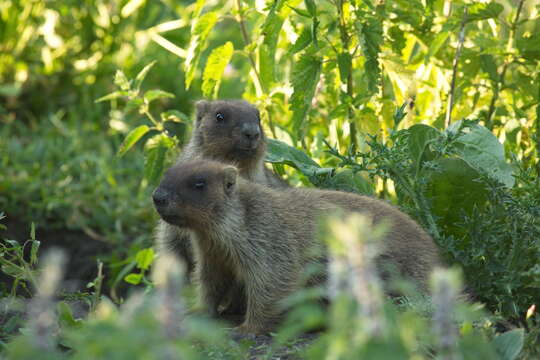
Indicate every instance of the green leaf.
{"type": "Point", "coordinates": [509, 344]}
{"type": "Point", "coordinates": [371, 38]}
{"type": "Point", "coordinates": [483, 151]}
{"type": "Point", "coordinates": [215, 66]}
{"type": "Point", "coordinates": [311, 7]}
{"type": "Point", "coordinates": [132, 138]}
{"type": "Point", "coordinates": [420, 137]}
{"type": "Point", "coordinates": [200, 30]}
{"type": "Point", "coordinates": [302, 42]}
{"type": "Point", "coordinates": [155, 157]}
{"type": "Point", "coordinates": [345, 65]}
{"type": "Point", "coordinates": [142, 75]}
{"type": "Point", "coordinates": [121, 80]}
{"type": "Point", "coordinates": [280, 153]}
{"type": "Point", "coordinates": [144, 258]}
{"type": "Point", "coordinates": [305, 76]}
{"type": "Point", "coordinates": [151, 95]}
{"type": "Point", "coordinates": [453, 190]}
{"type": "Point", "coordinates": [270, 31]}
{"type": "Point", "coordinates": [34, 252]}
{"type": "Point", "coordinates": [174, 115]}
{"type": "Point", "coordinates": [437, 43]}
{"type": "Point", "coordinates": [134, 279]}
{"type": "Point", "coordinates": [529, 47]}
{"type": "Point", "coordinates": [65, 316]}
{"type": "Point", "coordinates": [113, 95]}
{"type": "Point", "coordinates": [484, 11]}
{"type": "Point", "coordinates": [488, 65]}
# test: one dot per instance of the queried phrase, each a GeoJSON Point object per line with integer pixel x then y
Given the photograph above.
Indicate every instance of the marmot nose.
{"type": "Point", "coordinates": [251, 131]}
{"type": "Point", "coordinates": [160, 197]}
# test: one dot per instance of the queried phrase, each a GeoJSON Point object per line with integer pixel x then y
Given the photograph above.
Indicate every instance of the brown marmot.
{"type": "Point", "coordinates": [227, 131]}
{"type": "Point", "coordinates": [257, 240]}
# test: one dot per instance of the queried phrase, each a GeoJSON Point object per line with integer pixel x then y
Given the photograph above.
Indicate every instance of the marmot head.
{"type": "Point", "coordinates": [229, 130]}
{"type": "Point", "coordinates": [193, 194]}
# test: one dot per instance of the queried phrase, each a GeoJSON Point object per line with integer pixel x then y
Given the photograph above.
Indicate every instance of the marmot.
{"type": "Point", "coordinates": [227, 131]}
{"type": "Point", "coordinates": [257, 240]}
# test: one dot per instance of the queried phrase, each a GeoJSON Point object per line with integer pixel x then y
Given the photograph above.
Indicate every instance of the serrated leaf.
{"type": "Point", "coordinates": [134, 279]}
{"type": "Point", "coordinates": [270, 31]}
{"type": "Point", "coordinates": [509, 344]}
{"type": "Point", "coordinates": [215, 66]}
{"type": "Point", "coordinates": [370, 31]}
{"type": "Point", "coordinates": [302, 42]}
{"type": "Point", "coordinates": [142, 75]}
{"type": "Point", "coordinates": [144, 258]}
{"type": "Point", "coordinates": [483, 151]}
{"type": "Point", "coordinates": [280, 153]}
{"type": "Point", "coordinates": [305, 76]}
{"type": "Point", "coordinates": [132, 138]}
{"type": "Point", "coordinates": [200, 30]}
{"type": "Point", "coordinates": [121, 80]}
{"type": "Point", "coordinates": [151, 95]}
{"type": "Point", "coordinates": [113, 95]}
{"type": "Point", "coordinates": [344, 65]}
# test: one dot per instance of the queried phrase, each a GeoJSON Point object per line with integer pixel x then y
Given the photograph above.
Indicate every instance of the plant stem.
{"type": "Point", "coordinates": [450, 106]}
{"type": "Point", "coordinates": [500, 84]}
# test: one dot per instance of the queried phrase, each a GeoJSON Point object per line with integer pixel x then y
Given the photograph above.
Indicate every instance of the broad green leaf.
{"type": "Point", "coordinates": [155, 157]}
{"type": "Point", "coordinates": [65, 315]}
{"type": "Point", "coordinates": [453, 191]}
{"type": "Point", "coordinates": [420, 137]}
{"type": "Point", "coordinates": [305, 76]}
{"type": "Point", "coordinates": [483, 151]}
{"type": "Point", "coordinates": [303, 40]}
{"type": "Point", "coordinates": [270, 30]}
{"type": "Point", "coordinates": [529, 47]}
{"type": "Point", "coordinates": [281, 153]}
{"type": "Point", "coordinates": [132, 138]}
{"type": "Point", "coordinates": [113, 95]}
{"type": "Point", "coordinates": [151, 95]}
{"type": "Point", "coordinates": [121, 80]}
{"type": "Point", "coordinates": [142, 75]}
{"type": "Point", "coordinates": [509, 344]}
{"type": "Point", "coordinates": [215, 66]}
{"type": "Point", "coordinates": [345, 65]}
{"type": "Point", "coordinates": [480, 11]}
{"type": "Point", "coordinates": [311, 7]}
{"type": "Point", "coordinates": [200, 30]}
{"type": "Point", "coordinates": [145, 258]}
{"type": "Point", "coordinates": [134, 279]}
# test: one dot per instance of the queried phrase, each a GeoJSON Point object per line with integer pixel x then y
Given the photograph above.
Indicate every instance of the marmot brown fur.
{"type": "Point", "coordinates": [257, 241]}
{"type": "Point", "coordinates": [228, 131]}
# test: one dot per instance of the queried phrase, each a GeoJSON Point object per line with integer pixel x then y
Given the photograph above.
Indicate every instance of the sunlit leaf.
{"type": "Point", "coordinates": [134, 279]}
{"type": "Point", "coordinates": [113, 95]}
{"type": "Point", "coordinates": [370, 32]}
{"type": "Point", "coordinates": [215, 66]}
{"type": "Point", "coordinates": [305, 76]}
{"type": "Point", "coordinates": [121, 80]}
{"type": "Point", "coordinates": [302, 42]}
{"type": "Point", "coordinates": [200, 30]}
{"type": "Point", "coordinates": [480, 11]}
{"type": "Point", "coordinates": [155, 152]}
{"type": "Point", "coordinates": [132, 138]}
{"type": "Point", "coordinates": [144, 258]}
{"type": "Point", "coordinates": [281, 153]}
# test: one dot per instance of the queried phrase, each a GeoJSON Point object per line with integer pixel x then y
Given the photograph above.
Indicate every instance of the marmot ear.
{"type": "Point", "coordinates": [229, 179]}
{"type": "Point", "coordinates": [201, 107]}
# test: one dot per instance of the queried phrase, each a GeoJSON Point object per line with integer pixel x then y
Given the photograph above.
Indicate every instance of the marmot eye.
{"type": "Point", "coordinates": [220, 117]}
{"type": "Point", "coordinates": [199, 184]}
